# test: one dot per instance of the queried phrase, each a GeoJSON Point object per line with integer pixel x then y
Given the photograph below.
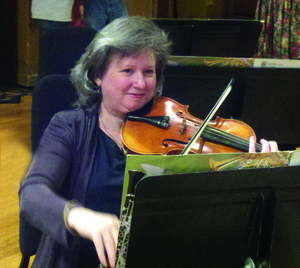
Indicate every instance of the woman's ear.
{"type": "Point", "coordinates": [98, 82]}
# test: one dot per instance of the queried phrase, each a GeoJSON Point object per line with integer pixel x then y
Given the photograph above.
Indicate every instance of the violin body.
{"type": "Point", "coordinates": [178, 128]}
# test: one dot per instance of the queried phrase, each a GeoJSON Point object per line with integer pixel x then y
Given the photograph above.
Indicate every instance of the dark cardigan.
{"type": "Point", "coordinates": [60, 171]}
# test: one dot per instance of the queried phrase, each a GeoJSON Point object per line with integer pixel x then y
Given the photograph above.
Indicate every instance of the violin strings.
{"type": "Point", "coordinates": [221, 136]}
{"type": "Point", "coordinates": [227, 136]}
{"type": "Point", "coordinates": [241, 142]}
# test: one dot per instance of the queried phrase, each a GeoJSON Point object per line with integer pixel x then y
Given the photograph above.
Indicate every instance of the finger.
{"type": "Point", "coordinates": [252, 145]}
{"type": "Point", "coordinates": [273, 146]}
{"type": "Point", "coordinates": [265, 146]}
{"type": "Point", "coordinates": [110, 248]}
{"type": "Point", "coordinates": [99, 245]}
{"type": "Point", "coordinates": [115, 233]}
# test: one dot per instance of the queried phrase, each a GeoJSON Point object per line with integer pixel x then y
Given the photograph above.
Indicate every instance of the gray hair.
{"type": "Point", "coordinates": [126, 36]}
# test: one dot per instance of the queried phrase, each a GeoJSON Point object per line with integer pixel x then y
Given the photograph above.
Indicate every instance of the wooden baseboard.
{"type": "Point", "coordinates": [27, 80]}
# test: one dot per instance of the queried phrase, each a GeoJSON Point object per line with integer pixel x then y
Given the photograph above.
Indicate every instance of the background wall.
{"type": "Point", "coordinates": [28, 46]}
{"type": "Point", "coordinates": [216, 9]}
{"type": "Point", "coordinates": [19, 44]}
{"type": "Point", "coordinates": [9, 41]}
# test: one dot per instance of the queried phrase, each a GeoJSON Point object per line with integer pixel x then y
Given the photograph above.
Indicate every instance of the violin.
{"type": "Point", "coordinates": [169, 127]}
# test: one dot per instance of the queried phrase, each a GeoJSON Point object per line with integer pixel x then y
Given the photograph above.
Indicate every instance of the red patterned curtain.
{"type": "Point", "coordinates": [280, 37]}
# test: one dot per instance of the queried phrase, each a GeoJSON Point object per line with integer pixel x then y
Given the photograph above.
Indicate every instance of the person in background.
{"type": "Point", "coordinates": [51, 13]}
{"type": "Point", "coordinates": [73, 189]}
{"type": "Point", "coordinates": [98, 13]}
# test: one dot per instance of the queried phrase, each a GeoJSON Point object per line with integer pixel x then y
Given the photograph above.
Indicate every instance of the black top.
{"type": "Point", "coordinates": [104, 191]}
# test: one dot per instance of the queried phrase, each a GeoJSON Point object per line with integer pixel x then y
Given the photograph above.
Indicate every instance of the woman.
{"type": "Point", "coordinates": [80, 156]}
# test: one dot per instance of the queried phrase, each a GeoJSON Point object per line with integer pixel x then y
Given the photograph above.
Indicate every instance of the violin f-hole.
{"type": "Point", "coordinates": [165, 142]}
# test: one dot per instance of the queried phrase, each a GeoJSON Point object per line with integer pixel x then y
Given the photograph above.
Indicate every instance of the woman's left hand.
{"type": "Point", "coordinates": [267, 146]}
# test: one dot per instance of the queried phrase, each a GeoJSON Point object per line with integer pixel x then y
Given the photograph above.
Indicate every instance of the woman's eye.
{"type": "Point", "coordinates": [149, 72]}
{"type": "Point", "coordinates": [128, 71]}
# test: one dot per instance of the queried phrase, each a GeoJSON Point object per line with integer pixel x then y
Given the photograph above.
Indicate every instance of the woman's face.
{"type": "Point", "coordinates": [128, 83]}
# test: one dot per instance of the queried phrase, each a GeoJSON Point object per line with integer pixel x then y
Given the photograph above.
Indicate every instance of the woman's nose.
{"type": "Point", "coordinates": [139, 80]}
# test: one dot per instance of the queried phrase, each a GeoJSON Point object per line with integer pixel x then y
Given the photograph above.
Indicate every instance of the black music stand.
{"type": "Point", "coordinates": [212, 37]}
{"type": "Point", "coordinates": [217, 219]}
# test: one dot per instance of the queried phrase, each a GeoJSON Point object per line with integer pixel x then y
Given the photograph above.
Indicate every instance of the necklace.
{"type": "Point", "coordinates": [120, 145]}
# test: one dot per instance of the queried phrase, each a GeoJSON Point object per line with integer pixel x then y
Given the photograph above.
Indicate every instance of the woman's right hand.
{"type": "Point", "coordinates": [101, 228]}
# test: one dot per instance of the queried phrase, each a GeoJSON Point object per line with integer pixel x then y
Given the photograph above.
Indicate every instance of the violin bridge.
{"type": "Point", "coordinates": [182, 127]}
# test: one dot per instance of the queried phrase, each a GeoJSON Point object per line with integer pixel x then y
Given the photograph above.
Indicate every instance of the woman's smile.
{"type": "Point", "coordinates": [136, 95]}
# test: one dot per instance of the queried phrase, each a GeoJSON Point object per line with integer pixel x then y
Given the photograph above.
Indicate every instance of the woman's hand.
{"type": "Point", "coordinates": [101, 228]}
{"type": "Point", "coordinates": [267, 146]}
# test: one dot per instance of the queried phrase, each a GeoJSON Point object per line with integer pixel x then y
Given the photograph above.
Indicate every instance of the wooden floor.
{"type": "Point", "coordinates": [15, 155]}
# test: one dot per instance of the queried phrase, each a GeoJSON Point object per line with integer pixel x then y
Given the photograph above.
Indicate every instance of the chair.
{"type": "Point", "coordinates": [52, 93]}
{"type": "Point", "coordinates": [61, 47]}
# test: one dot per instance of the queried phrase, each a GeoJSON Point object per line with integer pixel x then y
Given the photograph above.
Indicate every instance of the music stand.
{"type": "Point", "coordinates": [216, 219]}
{"type": "Point", "coordinates": [212, 37]}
